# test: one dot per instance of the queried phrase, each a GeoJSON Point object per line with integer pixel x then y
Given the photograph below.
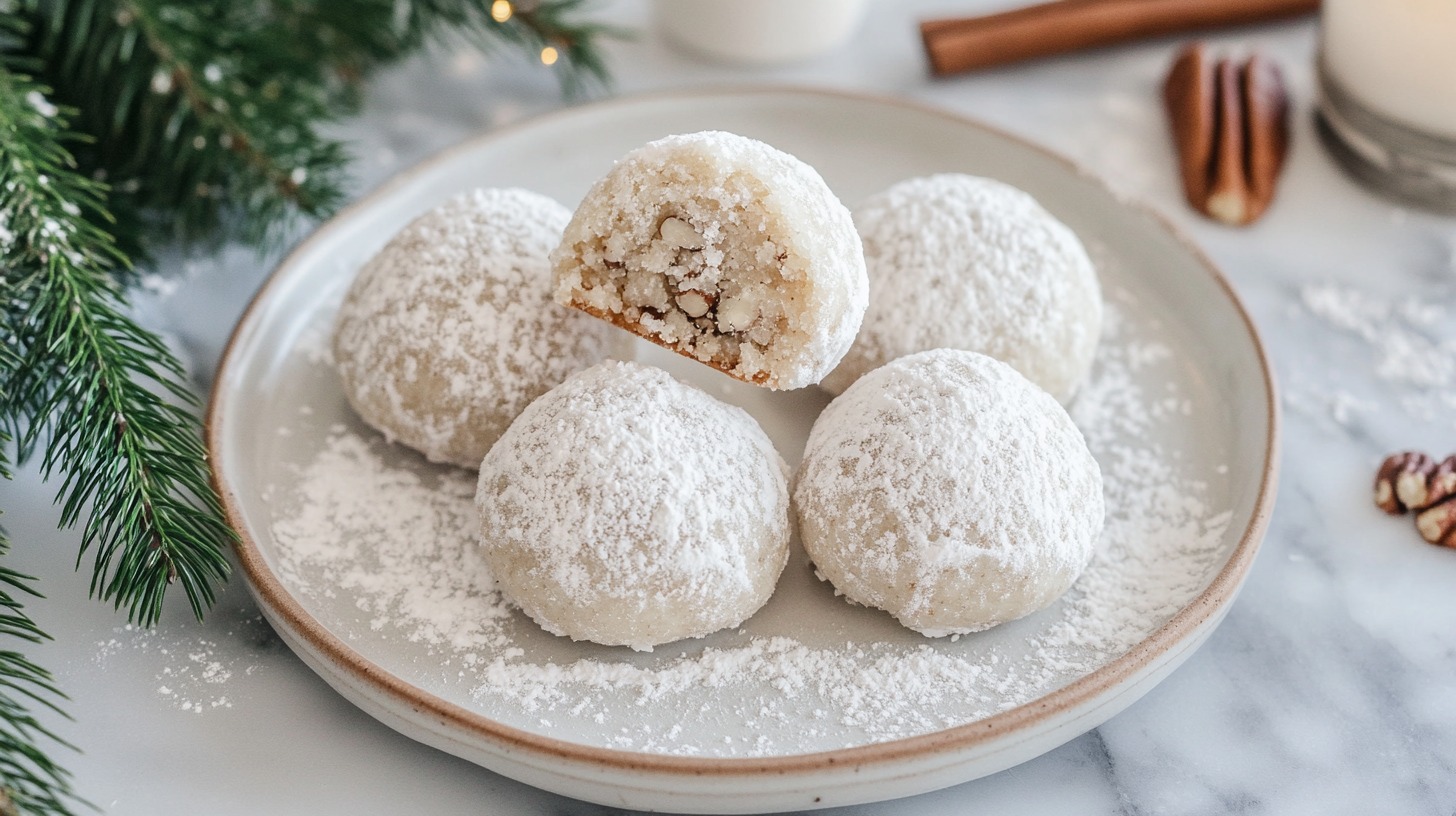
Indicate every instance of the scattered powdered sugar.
{"type": "Point", "coordinates": [1408, 344]}
{"type": "Point", "coordinates": [396, 543]}
{"type": "Point", "coordinates": [860, 687]}
{"type": "Point", "coordinates": [1161, 542]}
{"type": "Point", "coordinates": [195, 671]}
{"type": "Point", "coordinates": [382, 549]}
{"type": "Point", "coordinates": [1399, 333]}
{"type": "Point", "coordinates": [314, 342]}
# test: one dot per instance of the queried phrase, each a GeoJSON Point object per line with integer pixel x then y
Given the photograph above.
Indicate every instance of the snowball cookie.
{"type": "Point", "coordinates": [948, 490]}
{"type": "Point", "coordinates": [628, 509]}
{"type": "Point", "coordinates": [724, 250]}
{"type": "Point", "coordinates": [959, 261]}
{"type": "Point", "coordinates": [449, 332]}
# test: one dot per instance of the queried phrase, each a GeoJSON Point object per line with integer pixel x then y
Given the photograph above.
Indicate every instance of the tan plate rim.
{"type": "Point", "coordinates": [1221, 591]}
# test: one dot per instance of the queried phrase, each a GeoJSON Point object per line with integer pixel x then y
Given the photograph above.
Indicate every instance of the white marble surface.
{"type": "Point", "coordinates": [1327, 690]}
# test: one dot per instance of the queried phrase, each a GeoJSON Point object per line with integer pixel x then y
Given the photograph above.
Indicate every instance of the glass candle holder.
{"type": "Point", "coordinates": [1387, 95]}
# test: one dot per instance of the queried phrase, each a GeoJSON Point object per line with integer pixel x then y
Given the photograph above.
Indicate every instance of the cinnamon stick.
{"type": "Point", "coordinates": [1072, 25]}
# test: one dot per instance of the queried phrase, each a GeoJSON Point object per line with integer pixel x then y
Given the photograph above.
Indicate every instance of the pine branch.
{"type": "Point", "coordinates": [206, 115]}
{"type": "Point", "coordinates": [107, 395]}
{"type": "Point", "coordinates": [30, 781]}
{"type": "Point", "coordinates": [203, 121]}
{"type": "Point", "coordinates": [541, 25]}
{"type": "Point", "coordinates": [360, 36]}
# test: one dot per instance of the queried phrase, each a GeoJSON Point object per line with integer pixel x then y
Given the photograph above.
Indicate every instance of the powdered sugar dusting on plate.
{"type": "Point", "coordinates": [396, 541]}
{"type": "Point", "coordinates": [381, 547]}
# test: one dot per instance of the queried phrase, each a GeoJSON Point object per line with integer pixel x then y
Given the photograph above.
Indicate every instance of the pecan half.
{"type": "Point", "coordinates": [1437, 524]}
{"type": "Point", "coordinates": [1401, 470]}
{"type": "Point", "coordinates": [1230, 126]}
{"type": "Point", "coordinates": [1432, 484]}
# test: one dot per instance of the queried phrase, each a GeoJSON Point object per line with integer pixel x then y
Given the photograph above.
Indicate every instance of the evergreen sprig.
{"type": "Point", "coordinates": [30, 781]}
{"type": "Point", "coordinates": [363, 35]}
{"type": "Point", "coordinates": [106, 396]}
{"type": "Point", "coordinates": [206, 115]}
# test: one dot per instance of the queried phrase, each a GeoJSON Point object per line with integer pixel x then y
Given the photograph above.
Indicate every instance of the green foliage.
{"type": "Point", "coordinates": [106, 395]}
{"type": "Point", "coordinates": [205, 115]}
{"type": "Point", "coordinates": [30, 781]}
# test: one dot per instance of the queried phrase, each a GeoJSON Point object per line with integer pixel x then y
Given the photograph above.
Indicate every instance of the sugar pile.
{"type": "Point", "coordinates": [384, 553]}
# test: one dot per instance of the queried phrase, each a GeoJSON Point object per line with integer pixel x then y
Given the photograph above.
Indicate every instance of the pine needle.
{"type": "Point", "coordinates": [105, 395]}
{"type": "Point", "coordinates": [207, 116]}
{"type": "Point", "coordinates": [30, 781]}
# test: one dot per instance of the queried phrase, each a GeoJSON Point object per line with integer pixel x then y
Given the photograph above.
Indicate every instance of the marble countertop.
{"type": "Point", "coordinates": [1328, 689]}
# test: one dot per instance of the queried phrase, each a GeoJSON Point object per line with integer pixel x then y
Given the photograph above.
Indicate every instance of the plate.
{"type": "Point", "coordinates": [359, 553]}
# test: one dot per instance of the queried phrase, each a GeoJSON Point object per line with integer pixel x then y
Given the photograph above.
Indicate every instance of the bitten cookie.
{"type": "Point", "coordinates": [958, 261]}
{"type": "Point", "coordinates": [449, 332]}
{"type": "Point", "coordinates": [948, 490]}
{"type": "Point", "coordinates": [626, 508]}
{"type": "Point", "coordinates": [724, 250]}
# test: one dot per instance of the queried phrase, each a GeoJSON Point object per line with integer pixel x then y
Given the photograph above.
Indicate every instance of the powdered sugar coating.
{"type": "Point", "coordinates": [449, 332]}
{"type": "Point", "coordinates": [626, 508]}
{"type": "Point", "coordinates": [948, 490]}
{"type": "Point", "coordinates": [723, 249]}
{"type": "Point", "coordinates": [959, 261]}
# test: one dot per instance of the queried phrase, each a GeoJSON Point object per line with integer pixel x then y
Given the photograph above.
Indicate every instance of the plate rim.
{"type": "Point", "coordinates": [268, 589]}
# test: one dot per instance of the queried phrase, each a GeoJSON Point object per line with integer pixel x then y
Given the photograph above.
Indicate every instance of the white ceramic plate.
{"type": "Point", "coordinates": [357, 552]}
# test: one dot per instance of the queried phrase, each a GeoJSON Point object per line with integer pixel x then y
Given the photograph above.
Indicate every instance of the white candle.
{"type": "Point", "coordinates": [1397, 58]}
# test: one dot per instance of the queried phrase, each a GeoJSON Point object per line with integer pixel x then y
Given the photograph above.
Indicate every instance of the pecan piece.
{"type": "Point", "coordinates": [1432, 484]}
{"type": "Point", "coordinates": [1406, 469]}
{"type": "Point", "coordinates": [1230, 126]}
{"type": "Point", "coordinates": [1437, 524]}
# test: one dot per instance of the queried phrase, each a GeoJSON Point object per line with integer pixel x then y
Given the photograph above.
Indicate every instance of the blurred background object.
{"type": "Point", "coordinates": [965, 44]}
{"type": "Point", "coordinates": [1387, 105]}
{"type": "Point", "coordinates": [758, 32]}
